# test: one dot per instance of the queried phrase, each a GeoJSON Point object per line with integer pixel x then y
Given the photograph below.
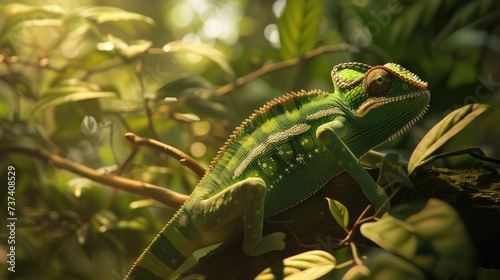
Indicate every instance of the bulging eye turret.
{"type": "Point", "coordinates": [377, 82]}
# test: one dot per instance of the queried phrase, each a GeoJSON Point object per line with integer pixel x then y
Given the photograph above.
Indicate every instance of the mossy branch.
{"type": "Point", "coordinates": [474, 194]}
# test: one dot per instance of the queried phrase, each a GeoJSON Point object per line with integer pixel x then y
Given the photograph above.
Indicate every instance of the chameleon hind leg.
{"type": "Point", "coordinates": [238, 206]}
{"type": "Point", "coordinates": [330, 135]}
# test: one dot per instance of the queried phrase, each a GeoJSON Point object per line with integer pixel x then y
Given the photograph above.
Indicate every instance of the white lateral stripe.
{"type": "Point", "coordinates": [273, 138]}
{"type": "Point", "coordinates": [324, 113]}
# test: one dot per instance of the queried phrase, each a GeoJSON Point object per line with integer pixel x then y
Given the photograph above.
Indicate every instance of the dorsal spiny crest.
{"type": "Point", "coordinates": [347, 80]}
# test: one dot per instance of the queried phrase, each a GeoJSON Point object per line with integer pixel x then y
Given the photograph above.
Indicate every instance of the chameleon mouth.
{"type": "Point", "coordinates": [375, 102]}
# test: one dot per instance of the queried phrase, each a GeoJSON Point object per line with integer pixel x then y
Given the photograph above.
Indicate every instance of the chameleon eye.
{"type": "Point", "coordinates": [377, 82]}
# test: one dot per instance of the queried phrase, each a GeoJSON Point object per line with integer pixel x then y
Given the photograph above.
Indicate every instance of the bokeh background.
{"type": "Point", "coordinates": [76, 75]}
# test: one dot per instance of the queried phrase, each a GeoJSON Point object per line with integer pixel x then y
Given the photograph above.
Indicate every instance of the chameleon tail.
{"type": "Point", "coordinates": [170, 248]}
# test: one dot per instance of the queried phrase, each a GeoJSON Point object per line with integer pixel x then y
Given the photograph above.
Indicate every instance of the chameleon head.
{"type": "Point", "coordinates": [388, 97]}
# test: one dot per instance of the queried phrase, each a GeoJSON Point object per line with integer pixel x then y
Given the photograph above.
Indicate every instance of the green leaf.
{"type": "Point", "coordinates": [34, 23]}
{"type": "Point", "coordinates": [448, 127]}
{"type": "Point", "coordinates": [339, 212]}
{"type": "Point", "coordinates": [433, 238]}
{"type": "Point", "coordinates": [187, 118]}
{"type": "Point", "coordinates": [18, 9]}
{"type": "Point", "coordinates": [298, 27]}
{"type": "Point", "coordinates": [463, 16]}
{"type": "Point", "coordinates": [138, 224]}
{"type": "Point", "coordinates": [70, 90]}
{"type": "Point", "coordinates": [393, 235]}
{"type": "Point", "coordinates": [14, 13]}
{"type": "Point", "coordinates": [143, 203]}
{"type": "Point", "coordinates": [308, 265]}
{"type": "Point", "coordinates": [184, 85]}
{"type": "Point", "coordinates": [194, 91]}
{"type": "Point", "coordinates": [387, 266]}
{"type": "Point", "coordinates": [133, 50]}
{"type": "Point", "coordinates": [109, 14]}
{"type": "Point", "coordinates": [203, 50]}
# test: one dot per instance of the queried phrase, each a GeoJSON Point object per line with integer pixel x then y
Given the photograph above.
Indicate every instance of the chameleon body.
{"type": "Point", "coordinates": [284, 153]}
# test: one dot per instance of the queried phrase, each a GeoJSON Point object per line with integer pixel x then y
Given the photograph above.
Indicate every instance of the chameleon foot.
{"type": "Point", "coordinates": [268, 243]}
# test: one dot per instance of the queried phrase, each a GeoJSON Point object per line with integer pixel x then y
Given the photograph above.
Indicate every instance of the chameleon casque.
{"type": "Point", "coordinates": [284, 153]}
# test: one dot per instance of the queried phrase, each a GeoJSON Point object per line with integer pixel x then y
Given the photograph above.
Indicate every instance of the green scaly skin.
{"type": "Point", "coordinates": [284, 153]}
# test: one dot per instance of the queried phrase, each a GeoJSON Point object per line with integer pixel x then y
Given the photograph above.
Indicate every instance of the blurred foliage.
{"type": "Point", "coordinates": [76, 75]}
{"type": "Point", "coordinates": [422, 240]}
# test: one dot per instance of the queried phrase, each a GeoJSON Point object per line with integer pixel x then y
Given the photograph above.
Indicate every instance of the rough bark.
{"type": "Point", "coordinates": [474, 193]}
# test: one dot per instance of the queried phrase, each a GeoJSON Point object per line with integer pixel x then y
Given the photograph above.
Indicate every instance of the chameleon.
{"type": "Point", "coordinates": [284, 153]}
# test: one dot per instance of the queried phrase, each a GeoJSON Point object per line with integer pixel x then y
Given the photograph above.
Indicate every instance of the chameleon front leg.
{"type": "Point", "coordinates": [240, 205]}
{"type": "Point", "coordinates": [330, 135]}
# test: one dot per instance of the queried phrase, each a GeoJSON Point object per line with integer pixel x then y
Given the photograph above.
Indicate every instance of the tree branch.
{"type": "Point", "coordinates": [474, 194]}
{"type": "Point", "coordinates": [183, 158]}
{"type": "Point", "coordinates": [160, 194]}
{"type": "Point", "coordinates": [284, 64]}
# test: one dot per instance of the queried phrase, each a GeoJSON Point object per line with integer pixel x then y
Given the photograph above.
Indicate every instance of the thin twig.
{"type": "Point", "coordinates": [361, 218]}
{"type": "Point", "coordinates": [472, 151]}
{"type": "Point", "coordinates": [135, 149]}
{"type": "Point", "coordinates": [149, 114]}
{"type": "Point", "coordinates": [183, 158]}
{"type": "Point", "coordinates": [163, 195]}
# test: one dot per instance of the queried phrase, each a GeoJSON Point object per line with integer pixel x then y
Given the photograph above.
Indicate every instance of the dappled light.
{"type": "Point", "coordinates": [112, 111]}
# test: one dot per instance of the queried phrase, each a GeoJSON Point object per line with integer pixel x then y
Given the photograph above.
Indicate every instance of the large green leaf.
{"type": "Point", "coordinates": [309, 265]}
{"type": "Point", "coordinates": [428, 234]}
{"type": "Point", "coordinates": [298, 27]}
{"type": "Point", "coordinates": [50, 100]}
{"type": "Point", "coordinates": [25, 25]}
{"type": "Point", "coordinates": [15, 13]}
{"type": "Point", "coordinates": [70, 90]}
{"type": "Point", "coordinates": [387, 266]}
{"type": "Point", "coordinates": [448, 127]}
{"type": "Point", "coordinates": [18, 9]}
{"type": "Point", "coordinates": [203, 50]}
